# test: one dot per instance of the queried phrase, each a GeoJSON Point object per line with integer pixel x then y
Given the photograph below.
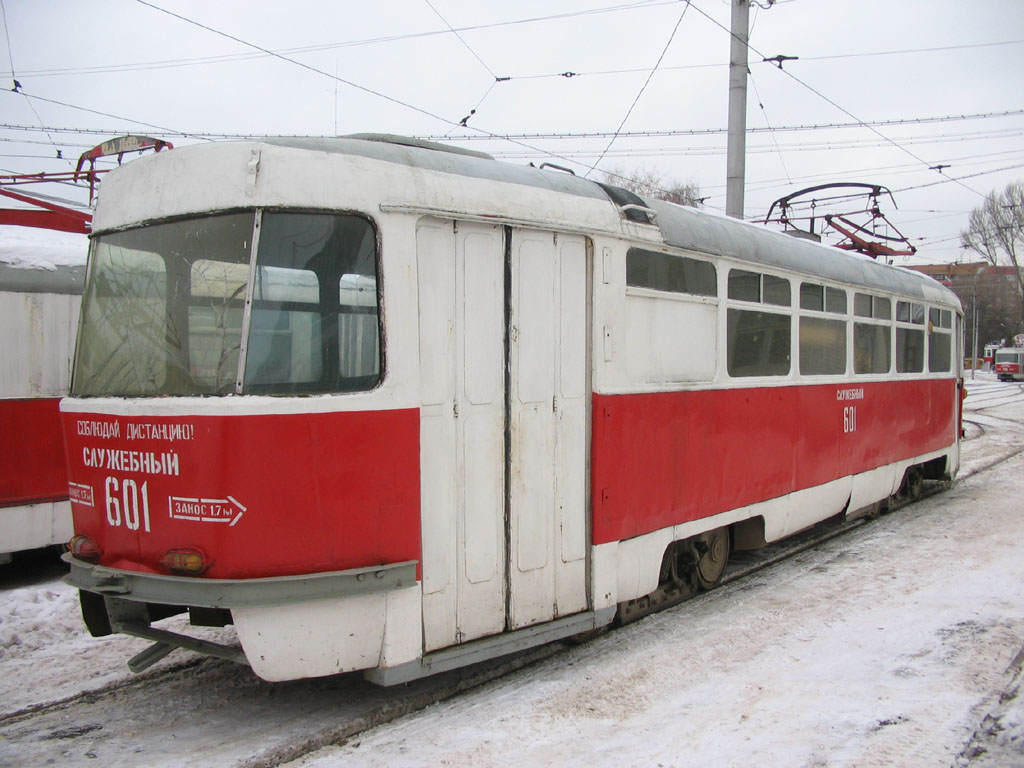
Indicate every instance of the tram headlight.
{"type": "Point", "coordinates": [186, 561]}
{"type": "Point", "coordinates": [85, 548]}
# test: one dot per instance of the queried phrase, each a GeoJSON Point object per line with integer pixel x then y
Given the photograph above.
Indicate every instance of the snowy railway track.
{"type": "Point", "coordinates": [284, 721]}
{"type": "Point", "coordinates": [110, 689]}
{"type": "Point", "coordinates": [156, 719]}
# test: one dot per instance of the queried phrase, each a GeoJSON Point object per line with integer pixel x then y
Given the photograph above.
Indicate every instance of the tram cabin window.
{"type": "Point", "coordinates": [665, 272]}
{"type": "Point", "coordinates": [165, 312]}
{"type": "Point", "coordinates": [314, 324]}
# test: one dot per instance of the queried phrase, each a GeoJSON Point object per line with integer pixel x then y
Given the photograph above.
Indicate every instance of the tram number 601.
{"type": "Point", "coordinates": [850, 419]}
{"type": "Point", "coordinates": [128, 504]}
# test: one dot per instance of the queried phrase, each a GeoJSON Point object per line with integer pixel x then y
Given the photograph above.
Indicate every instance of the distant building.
{"type": "Point", "coordinates": [990, 290]}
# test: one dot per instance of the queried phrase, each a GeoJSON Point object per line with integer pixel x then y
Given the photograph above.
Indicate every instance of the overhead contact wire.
{"type": "Point", "coordinates": [832, 102]}
{"type": "Point", "coordinates": [643, 88]}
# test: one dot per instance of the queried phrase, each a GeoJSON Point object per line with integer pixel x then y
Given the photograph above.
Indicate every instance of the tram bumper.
{"type": "Point", "coordinates": [289, 627]}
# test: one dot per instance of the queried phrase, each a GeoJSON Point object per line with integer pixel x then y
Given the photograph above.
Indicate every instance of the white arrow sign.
{"type": "Point", "coordinates": [227, 510]}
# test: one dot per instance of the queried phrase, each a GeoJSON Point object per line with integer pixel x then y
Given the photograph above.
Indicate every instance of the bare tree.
{"type": "Point", "coordinates": [995, 231]}
{"type": "Point", "coordinates": [649, 182]}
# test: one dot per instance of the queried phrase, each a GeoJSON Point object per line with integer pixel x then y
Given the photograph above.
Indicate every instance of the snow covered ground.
{"type": "Point", "coordinates": [898, 644]}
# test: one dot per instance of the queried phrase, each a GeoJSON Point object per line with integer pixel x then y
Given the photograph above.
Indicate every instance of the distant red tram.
{"type": "Point", "coordinates": [1010, 364]}
{"type": "Point", "coordinates": [390, 406]}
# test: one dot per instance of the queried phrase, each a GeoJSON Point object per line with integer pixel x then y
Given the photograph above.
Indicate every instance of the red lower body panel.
{"type": "Point", "coordinates": [667, 458]}
{"type": "Point", "coordinates": [31, 452]}
{"type": "Point", "coordinates": [262, 495]}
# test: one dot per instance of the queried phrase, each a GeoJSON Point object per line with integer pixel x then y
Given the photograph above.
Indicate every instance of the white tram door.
{"type": "Point", "coordinates": [462, 429]}
{"type": "Point", "coordinates": [548, 410]}
{"type": "Point", "coordinates": [485, 572]}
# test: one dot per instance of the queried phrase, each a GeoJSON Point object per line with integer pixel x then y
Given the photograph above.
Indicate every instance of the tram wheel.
{"type": "Point", "coordinates": [713, 547]}
{"type": "Point", "coordinates": [913, 484]}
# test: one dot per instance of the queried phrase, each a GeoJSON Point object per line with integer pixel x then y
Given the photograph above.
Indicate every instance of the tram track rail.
{"type": "Point", "coordinates": [111, 688]}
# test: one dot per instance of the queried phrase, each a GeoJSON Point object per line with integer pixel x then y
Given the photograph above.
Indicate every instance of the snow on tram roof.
{"type": "Point", "coordinates": [34, 260]}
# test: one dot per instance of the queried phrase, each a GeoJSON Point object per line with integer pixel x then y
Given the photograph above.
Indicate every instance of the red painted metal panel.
{"type": "Point", "coordinates": [31, 452]}
{"type": "Point", "coordinates": [45, 220]}
{"type": "Point", "coordinates": [666, 458]}
{"type": "Point", "coordinates": [264, 495]}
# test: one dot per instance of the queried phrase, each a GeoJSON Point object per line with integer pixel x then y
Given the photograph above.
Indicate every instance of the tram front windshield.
{"type": "Point", "coordinates": [165, 309]}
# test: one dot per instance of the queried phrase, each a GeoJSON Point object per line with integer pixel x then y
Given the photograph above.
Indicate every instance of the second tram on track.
{"type": "Point", "coordinates": [391, 406]}
{"type": "Point", "coordinates": [39, 313]}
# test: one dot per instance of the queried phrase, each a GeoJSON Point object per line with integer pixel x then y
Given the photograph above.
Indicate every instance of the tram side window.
{"type": "Point", "coordinates": [909, 350]}
{"type": "Point", "coordinates": [666, 272]}
{"type": "Point", "coordinates": [759, 288]}
{"type": "Point", "coordinates": [909, 341]}
{"type": "Point", "coordinates": [758, 343]}
{"type": "Point", "coordinates": [940, 340]}
{"type": "Point", "coordinates": [822, 346]}
{"type": "Point", "coordinates": [909, 312]}
{"type": "Point", "coordinates": [877, 307]}
{"type": "Point", "coordinates": [822, 298]}
{"type": "Point", "coordinates": [822, 339]}
{"type": "Point", "coordinates": [314, 325]}
{"type": "Point", "coordinates": [872, 339]}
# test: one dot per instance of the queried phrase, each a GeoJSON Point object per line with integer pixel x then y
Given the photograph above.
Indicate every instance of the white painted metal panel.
{"type": "Point", "coordinates": [435, 248]}
{"type": "Point", "coordinates": [39, 336]}
{"type": "Point", "coordinates": [29, 526]}
{"type": "Point", "coordinates": [484, 319]}
{"type": "Point", "coordinates": [549, 407]}
{"type": "Point", "coordinates": [436, 296]}
{"type": "Point", "coordinates": [533, 328]}
{"type": "Point", "coordinates": [437, 500]}
{"type": "Point", "coordinates": [533, 483]}
{"type": "Point", "coordinates": [572, 410]}
{"type": "Point", "coordinates": [461, 328]}
{"type": "Point", "coordinates": [480, 429]}
{"type": "Point", "coordinates": [670, 338]}
{"type": "Point", "coordinates": [484, 499]}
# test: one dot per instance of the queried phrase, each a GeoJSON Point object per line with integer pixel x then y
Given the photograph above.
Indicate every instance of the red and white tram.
{"type": "Point", "coordinates": [39, 307]}
{"type": "Point", "coordinates": [1010, 364]}
{"type": "Point", "coordinates": [397, 407]}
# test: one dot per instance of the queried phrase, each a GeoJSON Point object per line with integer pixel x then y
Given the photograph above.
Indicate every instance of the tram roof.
{"type": "Point", "coordinates": [681, 227]}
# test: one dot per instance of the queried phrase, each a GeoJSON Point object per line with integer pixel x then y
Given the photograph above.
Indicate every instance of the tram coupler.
{"type": "Point", "coordinates": [140, 662]}
{"type": "Point", "coordinates": [132, 618]}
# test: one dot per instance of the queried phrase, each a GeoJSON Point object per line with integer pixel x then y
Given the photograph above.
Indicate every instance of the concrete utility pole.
{"type": "Point", "coordinates": [737, 148]}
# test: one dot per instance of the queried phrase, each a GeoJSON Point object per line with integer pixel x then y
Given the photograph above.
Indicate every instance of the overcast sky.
{"type": "Point", "coordinates": [397, 66]}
